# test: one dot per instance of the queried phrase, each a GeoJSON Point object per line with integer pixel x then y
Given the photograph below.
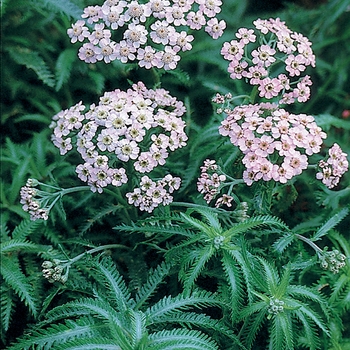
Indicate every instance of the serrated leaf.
{"type": "Point", "coordinates": [330, 223]}
{"type": "Point", "coordinates": [64, 65]}
{"type": "Point", "coordinates": [32, 60]}
{"type": "Point", "coordinates": [16, 280]}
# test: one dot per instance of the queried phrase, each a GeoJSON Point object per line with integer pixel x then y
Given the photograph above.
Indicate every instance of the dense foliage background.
{"type": "Point", "coordinates": [162, 261]}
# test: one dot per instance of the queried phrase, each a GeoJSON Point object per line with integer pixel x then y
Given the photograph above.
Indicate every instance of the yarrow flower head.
{"type": "Point", "coordinates": [210, 183]}
{"type": "Point", "coordinates": [332, 260]}
{"type": "Point", "coordinates": [276, 144]}
{"type": "Point", "coordinates": [151, 33]}
{"type": "Point", "coordinates": [137, 126]}
{"type": "Point", "coordinates": [259, 61]}
{"type": "Point", "coordinates": [332, 169]}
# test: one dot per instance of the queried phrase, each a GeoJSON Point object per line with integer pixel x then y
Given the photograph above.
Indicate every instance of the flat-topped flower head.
{"type": "Point", "coordinates": [273, 57]}
{"type": "Point", "coordinates": [275, 144]}
{"type": "Point", "coordinates": [138, 126]}
{"type": "Point", "coordinates": [150, 32]}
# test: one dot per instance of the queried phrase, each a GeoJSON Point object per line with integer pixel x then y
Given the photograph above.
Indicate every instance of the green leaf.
{"type": "Point", "coordinates": [196, 260]}
{"type": "Point", "coordinates": [108, 275]}
{"type": "Point", "coordinates": [32, 60]}
{"type": "Point", "coordinates": [25, 229]}
{"type": "Point", "coordinates": [255, 222]}
{"type": "Point", "coordinates": [6, 307]}
{"type": "Point", "coordinates": [67, 7]}
{"type": "Point", "coordinates": [155, 277]}
{"type": "Point", "coordinates": [177, 339]}
{"type": "Point", "coordinates": [57, 334]}
{"type": "Point", "coordinates": [234, 281]}
{"type": "Point", "coordinates": [16, 280]}
{"type": "Point", "coordinates": [169, 305]}
{"type": "Point", "coordinates": [330, 223]}
{"type": "Point", "coordinates": [64, 65]}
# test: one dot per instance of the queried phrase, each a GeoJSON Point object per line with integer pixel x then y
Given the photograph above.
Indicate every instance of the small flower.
{"type": "Point", "coordinates": [215, 28]}
{"type": "Point", "coordinates": [87, 53]}
{"type": "Point", "coordinates": [78, 32]}
{"type": "Point", "coordinates": [263, 56]}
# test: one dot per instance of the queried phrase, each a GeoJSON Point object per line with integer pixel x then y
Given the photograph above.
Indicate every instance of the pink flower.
{"type": "Point", "coordinates": [237, 69]}
{"type": "Point", "coordinates": [246, 35]}
{"type": "Point", "coordinates": [263, 56]}
{"type": "Point", "coordinates": [146, 57]}
{"type": "Point", "coordinates": [167, 59]}
{"type": "Point", "coordinates": [269, 87]}
{"type": "Point", "coordinates": [210, 7]}
{"type": "Point", "coordinates": [195, 20]}
{"type": "Point", "coordinates": [92, 13]}
{"type": "Point", "coordinates": [136, 34]}
{"type": "Point", "coordinates": [161, 32]}
{"type": "Point", "coordinates": [124, 51]}
{"type": "Point", "coordinates": [255, 74]}
{"type": "Point", "coordinates": [99, 33]}
{"type": "Point", "coordinates": [233, 50]}
{"type": "Point", "coordinates": [118, 177]}
{"type": "Point", "coordinates": [78, 32]}
{"type": "Point", "coordinates": [106, 51]}
{"type": "Point", "coordinates": [295, 64]}
{"type": "Point", "coordinates": [87, 53]}
{"type": "Point", "coordinates": [181, 41]}
{"type": "Point", "coordinates": [215, 28]}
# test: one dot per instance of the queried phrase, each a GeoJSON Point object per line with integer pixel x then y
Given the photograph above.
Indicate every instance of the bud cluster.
{"type": "Point", "coordinates": [218, 242]}
{"type": "Point", "coordinates": [332, 261]}
{"type": "Point", "coordinates": [53, 271]}
{"type": "Point", "coordinates": [275, 306]}
{"type": "Point", "coordinates": [151, 33]}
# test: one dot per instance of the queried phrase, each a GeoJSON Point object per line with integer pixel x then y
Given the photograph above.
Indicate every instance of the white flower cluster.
{"type": "Point", "coordinates": [152, 33]}
{"type": "Point", "coordinates": [137, 126]}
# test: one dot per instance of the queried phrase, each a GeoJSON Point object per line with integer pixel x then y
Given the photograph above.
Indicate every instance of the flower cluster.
{"type": "Point", "coordinates": [334, 167]}
{"type": "Point", "coordinates": [332, 261]}
{"type": "Point", "coordinates": [275, 306]}
{"type": "Point", "coordinates": [53, 271]}
{"type": "Point", "coordinates": [275, 143]}
{"type": "Point", "coordinates": [152, 33]}
{"type": "Point", "coordinates": [254, 62]}
{"type": "Point", "coordinates": [32, 201]}
{"type": "Point", "coordinates": [209, 183]}
{"type": "Point", "coordinates": [151, 194]}
{"type": "Point", "coordinates": [137, 126]}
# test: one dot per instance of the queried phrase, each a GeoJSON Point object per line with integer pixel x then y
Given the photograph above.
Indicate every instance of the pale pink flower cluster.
{"type": "Point", "coordinates": [152, 33]}
{"type": "Point", "coordinates": [138, 126]}
{"type": "Point", "coordinates": [151, 193]}
{"type": "Point", "coordinates": [275, 143]}
{"type": "Point", "coordinates": [32, 202]}
{"type": "Point", "coordinates": [209, 183]}
{"type": "Point", "coordinates": [334, 167]}
{"type": "Point", "coordinates": [278, 45]}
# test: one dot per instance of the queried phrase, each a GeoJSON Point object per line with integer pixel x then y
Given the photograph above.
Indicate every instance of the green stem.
{"type": "Point", "coordinates": [309, 242]}
{"type": "Point", "coordinates": [95, 250]}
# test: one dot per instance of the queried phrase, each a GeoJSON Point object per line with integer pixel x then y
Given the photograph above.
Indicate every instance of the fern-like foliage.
{"type": "Point", "coordinates": [32, 60]}
{"type": "Point", "coordinates": [68, 8]}
{"type": "Point", "coordinates": [17, 285]}
{"type": "Point", "coordinates": [112, 318]}
{"type": "Point", "coordinates": [290, 309]}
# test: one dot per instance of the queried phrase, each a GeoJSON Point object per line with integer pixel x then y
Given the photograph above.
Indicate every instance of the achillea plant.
{"type": "Point", "coordinates": [226, 264]}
